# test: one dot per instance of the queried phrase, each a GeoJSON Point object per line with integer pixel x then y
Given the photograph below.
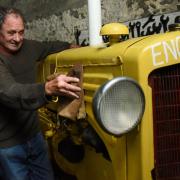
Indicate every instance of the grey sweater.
{"type": "Point", "coordinates": [20, 96]}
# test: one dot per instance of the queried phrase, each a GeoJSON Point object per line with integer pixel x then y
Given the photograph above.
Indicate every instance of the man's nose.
{"type": "Point", "coordinates": [17, 37]}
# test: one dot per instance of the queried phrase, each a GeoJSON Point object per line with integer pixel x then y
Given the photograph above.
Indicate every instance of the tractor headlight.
{"type": "Point", "coordinates": [118, 105]}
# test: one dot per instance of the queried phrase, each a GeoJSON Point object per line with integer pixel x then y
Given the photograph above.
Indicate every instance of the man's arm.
{"type": "Point", "coordinates": [32, 96]}
{"type": "Point", "coordinates": [44, 49]}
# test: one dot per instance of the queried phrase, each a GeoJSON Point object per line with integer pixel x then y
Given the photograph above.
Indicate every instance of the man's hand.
{"type": "Point", "coordinates": [62, 85]}
{"type": "Point", "coordinates": [74, 46]}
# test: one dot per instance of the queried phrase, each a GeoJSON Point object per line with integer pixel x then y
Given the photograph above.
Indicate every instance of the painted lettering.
{"type": "Point", "coordinates": [169, 48]}
{"type": "Point", "coordinates": [164, 51]}
{"type": "Point", "coordinates": [155, 54]}
{"type": "Point", "coordinates": [178, 45]}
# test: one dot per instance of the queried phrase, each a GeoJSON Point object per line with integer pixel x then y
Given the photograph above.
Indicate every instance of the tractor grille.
{"type": "Point", "coordinates": [165, 84]}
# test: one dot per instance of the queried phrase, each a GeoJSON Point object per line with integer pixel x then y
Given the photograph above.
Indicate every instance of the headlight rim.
{"type": "Point", "coordinates": [97, 100]}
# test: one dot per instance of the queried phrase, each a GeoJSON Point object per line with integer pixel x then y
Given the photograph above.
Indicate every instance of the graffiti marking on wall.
{"type": "Point", "coordinates": [152, 24]}
{"type": "Point", "coordinates": [139, 27]}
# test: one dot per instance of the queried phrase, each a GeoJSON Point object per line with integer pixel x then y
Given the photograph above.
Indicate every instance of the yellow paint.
{"type": "Point", "coordinates": [132, 155]}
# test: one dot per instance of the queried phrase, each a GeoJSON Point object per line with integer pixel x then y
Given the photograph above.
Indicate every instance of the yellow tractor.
{"type": "Point", "coordinates": [128, 122]}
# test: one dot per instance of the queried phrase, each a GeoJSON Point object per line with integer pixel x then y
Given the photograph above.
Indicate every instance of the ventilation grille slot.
{"type": "Point", "coordinates": [165, 84]}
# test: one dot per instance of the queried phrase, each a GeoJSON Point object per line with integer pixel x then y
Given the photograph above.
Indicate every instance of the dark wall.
{"type": "Point", "coordinates": [43, 8]}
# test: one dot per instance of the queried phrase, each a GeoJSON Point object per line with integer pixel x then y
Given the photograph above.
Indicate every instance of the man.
{"type": "Point", "coordinates": [23, 152]}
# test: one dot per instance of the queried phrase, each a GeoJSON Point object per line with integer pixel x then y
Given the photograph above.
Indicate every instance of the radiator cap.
{"type": "Point", "coordinates": [114, 31]}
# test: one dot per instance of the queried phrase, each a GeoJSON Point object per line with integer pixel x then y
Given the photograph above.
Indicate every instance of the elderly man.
{"type": "Point", "coordinates": [23, 152]}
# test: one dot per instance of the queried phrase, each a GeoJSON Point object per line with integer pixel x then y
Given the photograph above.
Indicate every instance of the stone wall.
{"type": "Point", "coordinates": [59, 19]}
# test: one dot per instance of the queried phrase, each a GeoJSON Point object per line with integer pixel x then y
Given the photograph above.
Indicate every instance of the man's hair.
{"type": "Point", "coordinates": [4, 11]}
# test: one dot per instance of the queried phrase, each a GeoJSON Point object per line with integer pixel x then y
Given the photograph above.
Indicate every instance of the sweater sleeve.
{"type": "Point", "coordinates": [19, 96]}
{"type": "Point", "coordinates": [47, 48]}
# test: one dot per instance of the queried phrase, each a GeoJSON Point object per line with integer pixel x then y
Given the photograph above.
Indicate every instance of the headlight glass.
{"type": "Point", "coordinates": [119, 105]}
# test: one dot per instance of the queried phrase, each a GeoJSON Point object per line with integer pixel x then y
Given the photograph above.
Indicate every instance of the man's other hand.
{"type": "Point", "coordinates": [74, 46]}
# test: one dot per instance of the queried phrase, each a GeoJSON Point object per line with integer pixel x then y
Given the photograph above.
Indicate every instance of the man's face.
{"type": "Point", "coordinates": [12, 33]}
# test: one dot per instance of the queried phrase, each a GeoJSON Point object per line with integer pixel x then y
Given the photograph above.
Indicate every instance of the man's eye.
{"type": "Point", "coordinates": [21, 33]}
{"type": "Point", "coordinates": [10, 32]}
